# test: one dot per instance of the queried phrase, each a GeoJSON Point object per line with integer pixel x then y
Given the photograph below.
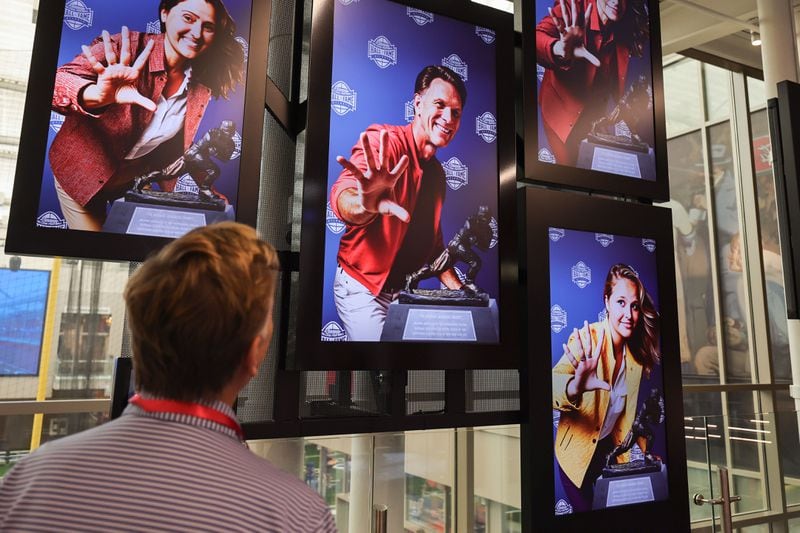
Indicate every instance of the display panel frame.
{"type": "Point", "coordinates": [314, 353]}
{"type": "Point", "coordinates": [26, 237]}
{"type": "Point", "coordinates": [544, 209]}
{"type": "Point", "coordinates": [582, 178]}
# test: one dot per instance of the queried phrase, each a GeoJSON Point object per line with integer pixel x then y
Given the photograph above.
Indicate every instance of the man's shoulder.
{"type": "Point", "coordinates": [395, 132]}
{"type": "Point", "coordinates": [300, 507]}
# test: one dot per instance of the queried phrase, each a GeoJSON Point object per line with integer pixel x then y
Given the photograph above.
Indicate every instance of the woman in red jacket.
{"type": "Point", "coordinates": [133, 103]}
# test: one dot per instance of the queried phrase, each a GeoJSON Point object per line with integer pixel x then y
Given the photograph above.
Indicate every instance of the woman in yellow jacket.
{"type": "Point", "coordinates": [596, 382]}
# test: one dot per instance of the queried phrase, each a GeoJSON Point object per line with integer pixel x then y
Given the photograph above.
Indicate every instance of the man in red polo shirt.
{"type": "Point", "coordinates": [585, 47]}
{"type": "Point", "coordinates": [390, 196]}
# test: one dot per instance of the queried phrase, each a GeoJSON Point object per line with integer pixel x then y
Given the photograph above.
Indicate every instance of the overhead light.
{"type": "Point", "coordinates": [755, 38]}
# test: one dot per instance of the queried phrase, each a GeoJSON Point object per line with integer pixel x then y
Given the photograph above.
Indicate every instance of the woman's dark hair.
{"type": "Point", "coordinates": [635, 25]}
{"type": "Point", "coordinates": [644, 343]}
{"type": "Point", "coordinates": [431, 72]}
{"type": "Point", "coordinates": [221, 67]}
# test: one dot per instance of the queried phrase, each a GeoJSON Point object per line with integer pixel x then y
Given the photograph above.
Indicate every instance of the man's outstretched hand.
{"type": "Point", "coordinates": [374, 193]}
{"type": "Point", "coordinates": [570, 44]}
{"type": "Point", "coordinates": [116, 81]}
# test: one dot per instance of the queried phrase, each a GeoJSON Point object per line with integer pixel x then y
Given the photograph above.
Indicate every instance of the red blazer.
{"type": "Point", "coordinates": [88, 152]}
{"type": "Point", "coordinates": [370, 252]}
{"type": "Point", "coordinates": [567, 87]}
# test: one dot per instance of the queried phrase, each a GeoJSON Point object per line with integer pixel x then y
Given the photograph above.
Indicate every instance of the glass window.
{"type": "Point", "coordinates": [729, 256]}
{"type": "Point", "coordinates": [770, 245]}
{"type": "Point", "coordinates": [694, 284]}
{"type": "Point", "coordinates": [756, 93]}
{"type": "Point", "coordinates": [717, 84]}
{"type": "Point", "coordinates": [427, 505]}
{"type": "Point", "coordinates": [682, 97]}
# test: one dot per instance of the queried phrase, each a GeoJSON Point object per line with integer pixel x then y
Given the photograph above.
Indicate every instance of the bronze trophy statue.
{"type": "Point", "coordinates": [198, 163]}
{"type": "Point", "coordinates": [475, 233]}
{"type": "Point", "coordinates": [635, 104]}
{"type": "Point", "coordinates": [650, 413]}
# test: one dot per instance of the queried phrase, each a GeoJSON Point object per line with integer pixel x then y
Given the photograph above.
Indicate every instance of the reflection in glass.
{"type": "Point", "coordinates": [682, 97]}
{"type": "Point", "coordinates": [694, 285]}
{"type": "Point", "coordinates": [428, 505]}
{"type": "Point", "coordinates": [770, 246]}
{"type": "Point", "coordinates": [730, 260]}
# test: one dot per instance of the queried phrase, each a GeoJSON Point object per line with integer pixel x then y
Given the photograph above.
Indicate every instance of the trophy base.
{"type": "Point", "coordinates": [631, 488]}
{"type": "Point", "coordinates": [615, 159]}
{"type": "Point", "coordinates": [441, 323]}
{"type": "Point", "coordinates": [634, 467]}
{"type": "Point", "coordinates": [158, 220]}
{"type": "Point", "coordinates": [443, 297]}
{"type": "Point", "coordinates": [619, 143]}
{"type": "Point", "coordinates": [188, 200]}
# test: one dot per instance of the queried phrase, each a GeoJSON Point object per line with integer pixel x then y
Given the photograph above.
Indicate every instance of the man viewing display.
{"type": "Point", "coordinates": [200, 317]}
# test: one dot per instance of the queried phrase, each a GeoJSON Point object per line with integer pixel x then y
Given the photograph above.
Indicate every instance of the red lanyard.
{"type": "Point", "coordinates": [186, 408]}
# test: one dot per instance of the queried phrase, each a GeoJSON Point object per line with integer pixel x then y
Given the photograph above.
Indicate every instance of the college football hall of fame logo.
{"type": "Point", "coordinates": [558, 318]}
{"type": "Point", "coordinates": [343, 98]}
{"type": "Point", "coordinates": [333, 332]}
{"type": "Point", "coordinates": [332, 222]}
{"type": "Point", "coordinates": [245, 47]}
{"type": "Point", "coordinates": [186, 184]}
{"type": "Point", "coordinates": [409, 111]}
{"type": "Point", "coordinates": [382, 52]}
{"type": "Point", "coordinates": [49, 219]}
{"type": "Point", "coordinates": [456, 173]}
{"type": "Point", "coordinates": [459, 274]}
{"type": "Point", "coordinates": [495, 232]}
{"type": "Point", "coordinates": [154, 26]}
{"type": "Point", "coordinates": [556, 234]}
{"type": "Point", "coordinates": [581, 274]}
{"type": "Point", "coordinates": [77, 15]}
{"type": "Point", "coordinates": [546, 156]}
{"type": "Point", "coordinates": [563, 507]}
{"type": "Point", "coordinates": [486, 35]}
{"type": "Point", "coordinates": [56, 121]}
{"type": "Point", "coordinates": [604, 239]}
{"type": "Point", "coordinates": [649, 245]}
{"type": "Point", "coordinates": [237, 143]}
{"type": "Point", "coordinates": [486, 127]}
{"type": "Point", "coordinates": [457, 65]}
{"type": "Point", "coordinates": [419, 16]}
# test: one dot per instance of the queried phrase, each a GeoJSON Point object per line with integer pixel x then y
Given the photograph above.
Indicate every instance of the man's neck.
{"type": "Point", "coordinates": [425, 150]}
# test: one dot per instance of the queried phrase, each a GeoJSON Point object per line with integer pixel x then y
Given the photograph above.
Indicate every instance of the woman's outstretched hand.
{"type": "Point", "coordinates": [116, 81]}
{"type": "Point", "coordinates": [584, 358]}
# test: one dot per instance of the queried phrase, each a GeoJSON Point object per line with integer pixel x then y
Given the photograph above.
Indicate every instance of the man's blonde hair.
{"type": "Point", "coordinates": [195, 307]}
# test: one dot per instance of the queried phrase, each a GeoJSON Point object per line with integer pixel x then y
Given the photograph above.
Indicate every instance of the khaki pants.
{"type": "Point", "coordinates": [78, 216]}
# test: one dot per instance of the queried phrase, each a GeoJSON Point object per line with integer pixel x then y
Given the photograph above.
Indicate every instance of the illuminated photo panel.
{"type": "Point", "coordinates": [608, 391]}
{"type": "Point", "coordinates": [428, 81]}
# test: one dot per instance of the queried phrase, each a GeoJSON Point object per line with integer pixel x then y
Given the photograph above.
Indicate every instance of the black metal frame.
{"type": "Point", "coordinates": [583, 179]}
{"type": "Point", "coordinates": [24, 237]}
{"type": "Point", "coordinates": [543, 209]}
{"type": "Point", "coordinates": [313, 354]}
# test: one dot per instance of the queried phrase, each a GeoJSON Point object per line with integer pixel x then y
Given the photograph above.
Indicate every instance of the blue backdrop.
{"type": "Point", "coordinates": [84, 21]}
{"type": "Point", "coordinates": [636, 66]}
{"type": "Point", "coordinates": [579, 263]}
{"type": "Point", "coordinates": [378, 88]}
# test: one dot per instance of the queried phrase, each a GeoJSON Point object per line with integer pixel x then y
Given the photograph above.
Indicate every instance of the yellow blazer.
{"type": "Point", "coordinates": [579, 427]}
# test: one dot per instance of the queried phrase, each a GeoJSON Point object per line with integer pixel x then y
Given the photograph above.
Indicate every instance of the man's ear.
{"type": "Point", "coordinates": [255, 356]}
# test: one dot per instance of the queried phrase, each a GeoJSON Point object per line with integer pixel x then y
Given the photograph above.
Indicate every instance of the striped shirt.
{"type": "Point", "coordinates": [149, 471]}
